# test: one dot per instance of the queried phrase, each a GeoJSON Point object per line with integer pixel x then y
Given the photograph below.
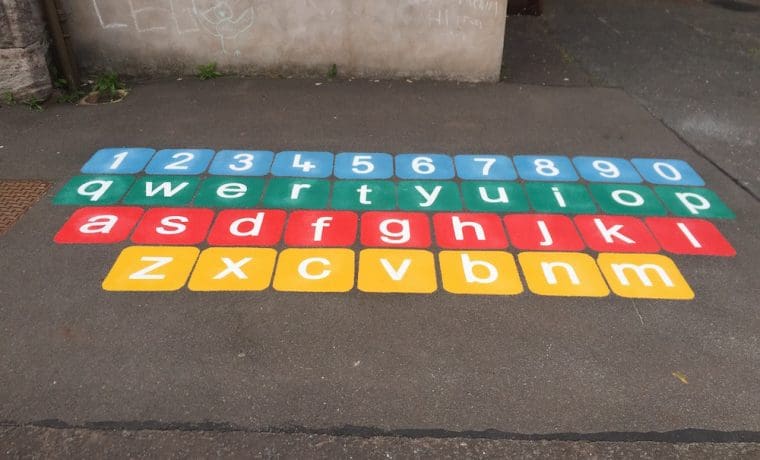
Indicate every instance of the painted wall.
{"type": "Point", "coordinates": [448, 39]}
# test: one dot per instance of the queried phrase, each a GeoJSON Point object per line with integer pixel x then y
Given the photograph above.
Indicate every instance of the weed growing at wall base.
{"type": "Point", "coordinates": [108, 85]}
{"type": "Point", "coordinates": [7, 98]}
{"type": "Point", "coordinates": [208, 72]}
{"type": "Point", "coordinates": [332, 72]}
{"type": "Point", "coordinates": [33, 104]}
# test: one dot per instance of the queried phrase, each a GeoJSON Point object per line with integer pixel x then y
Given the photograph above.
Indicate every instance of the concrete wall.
{"type": "Point", "coordinates": [23, 65]}
{"type": "Point", "coordinates": [447, 39]}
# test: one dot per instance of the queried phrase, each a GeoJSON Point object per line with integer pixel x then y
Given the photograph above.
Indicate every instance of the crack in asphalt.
{"type": "Point", "coordinates": [686, 435]}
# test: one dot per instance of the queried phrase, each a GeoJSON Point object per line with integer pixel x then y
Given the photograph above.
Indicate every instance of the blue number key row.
{"type": "Point", "coordinates": [383, 166]}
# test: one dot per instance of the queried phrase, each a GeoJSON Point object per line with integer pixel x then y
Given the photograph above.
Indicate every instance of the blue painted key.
{"type": "Point", "coordinates": [303, 164]}
{"type": "Point", "coordinates": [241, 163]}
{"type": "Point", "coordinates": [354, 165]}
{"type": "Point", "coordinates": [545, 168]}
{"type": "Point", "coordinates": [127, 160]}
{"type": "Point", "coordinates": [424, 166]}
{"type": "Point", "coordinates": [667, 172]}
{"type": "Point", "coordinates": [607, 169]}
{"type": "Point", "coordinates": [182, 162]}
{"type": "Point", "coordinates": [485, 167]}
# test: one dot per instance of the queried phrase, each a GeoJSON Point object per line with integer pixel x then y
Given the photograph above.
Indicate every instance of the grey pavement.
{"type": "Point", "coordinates": [695, 65]}
{"type": "Point", "coordinates": [74, 355]}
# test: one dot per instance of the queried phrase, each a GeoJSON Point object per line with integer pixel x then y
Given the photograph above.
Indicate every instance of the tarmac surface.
{"type": "Point", "coordinates": [77, 356]}
{"type": "Point", "coordinates": [694, 65]}
{"type": "Point", "coordinates": [270, 375]}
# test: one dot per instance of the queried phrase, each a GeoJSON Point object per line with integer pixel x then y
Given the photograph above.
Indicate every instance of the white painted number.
{"type": "Point", "coordinates": [546, 167]}
{"type": "Point", "coordinates": [306, 166]}
{"type": "Point", "coordinates": [487, 164]}
{"type": "Point", "coordinates": [661, 169]}
{"type": "Point", "coordinates": [182, 159]}
{"type": "Point", "coordinates": [245, 162]}
{"type": "Point", "coordinates": [361, 164]}
{"type": "Point", "coordinates": [606, 169]}
{"type": "Point", "coordinates": [423, 165]}
{"type": "Point", "coordinates": [118, 160]}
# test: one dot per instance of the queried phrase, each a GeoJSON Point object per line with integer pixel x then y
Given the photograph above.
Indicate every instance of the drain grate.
{"type": "Point", "coordinates": [16, 197]}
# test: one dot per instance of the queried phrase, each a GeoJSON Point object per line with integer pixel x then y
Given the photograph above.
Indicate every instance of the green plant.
{"type": "Point", "coordinates": [8, 98]}
{"type": "Point", "coordinates": [64, 94]}
{"type": "Point", "coordinates": [33, 104]}
{"type": "Point", "coordinates": [108, 85]}
{"type": "Point", "coordinates": [70, 97]}
{"type": "Point", "coordinates": [61, 83]}
{"type": "Point", "coordinates": [208, 71]}
{"type": "Point", "coordinates": [332, 72]}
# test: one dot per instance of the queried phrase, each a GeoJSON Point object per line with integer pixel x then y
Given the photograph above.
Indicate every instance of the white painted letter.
{"type": "Point", "coordinates": [231, 190]}
{"type": "Point", "coordinates": [255, 229]}
{"type": "Point", "coordinates": [617, 195]}
{"type": "Point", "coordinates": [319, 226]}
{"type": "Point", "coordinates": [396, 275]}
{"type": "Point", "coordinates": [233, 268]}
{"type": "Point", "coordinates": [165, 188]}
{"type": "Point", "coordinates": [548, 268]}
{"type": "Point", "coordinates": [99, 224]}
{"type": "Point", "coordinates": [641, 272]}
{"type": "Point", "coordinates": [469, 271]}
{"type": "Point", "coordinates": [95, 195]}
{"type": "Point", "coordinates": [548, 241]}
{"type": "Point", "coordinates": [694, 208]}
{"type": "Point", "coordinates": [459, 227]}
{"type": "Point", "coordinates": [145, 274]}
{"type": "Point", "coordinates": [400, 237]}
{"type": "Point", "coordinates": [303, 268]}
{"type": "Point", "coordinates": [689, 236]}
{"type": "Point", "coordinates": [363, 191]}
{"type": "Point", "coordinates": [558, 196]}
{"type": "Point", "coordinates": [175, 224]}
{"type": "Point", "coordinates": [608, 233]}
{"type": "Point", "coordinates": [502, 198]}
{"type": "Point", "coordinates": [429, 197]}
{"type": "Point", "coordinates": [296, 190]}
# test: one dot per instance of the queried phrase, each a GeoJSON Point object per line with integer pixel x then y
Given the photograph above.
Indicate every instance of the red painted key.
{"type": "Point", "coordinates": [99, 225]}
{"type": "Point", "coordinates": [321, 229]}
{"type": "Point", "coordinates": [395, 229]}
{"type": "Point", "coordinates": [543, 232]}
{"type": "Point", "coordinates": [605, 233]}
{"type": "Point", "coordinates": [247, 227]}
{"type": "Point", "coordinates": [173, 226]}
{"type": "Point", "coordinates": [469, 231]}
{"type": "Point", "coordinates": [690, 236]}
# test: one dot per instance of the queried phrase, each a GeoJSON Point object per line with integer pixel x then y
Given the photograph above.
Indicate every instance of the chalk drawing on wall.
{"type": "Point", "coordinates": [225, 20]}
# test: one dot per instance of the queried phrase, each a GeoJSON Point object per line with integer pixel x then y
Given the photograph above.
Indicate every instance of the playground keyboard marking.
{"type": "Point", "coordinates": [416, 223]}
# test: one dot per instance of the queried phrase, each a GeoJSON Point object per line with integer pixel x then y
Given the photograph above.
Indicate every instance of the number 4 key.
{"type": "Point", "coordinates": [303, 164]}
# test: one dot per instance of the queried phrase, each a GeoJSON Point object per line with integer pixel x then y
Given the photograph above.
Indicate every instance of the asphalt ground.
{"type": "Point", "coordinates": [695, 65]}
{"type": "Point", "coordinates": [77, 356]}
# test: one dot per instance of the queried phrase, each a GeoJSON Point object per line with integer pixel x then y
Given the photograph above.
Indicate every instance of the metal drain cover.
{"type": "Point", "coordinates": [16, 197]}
